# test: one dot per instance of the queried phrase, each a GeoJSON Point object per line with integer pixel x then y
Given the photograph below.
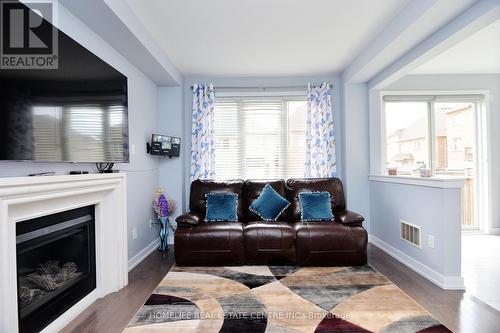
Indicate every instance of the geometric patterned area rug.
{"type": "Point", "coordinates": [280, 299]}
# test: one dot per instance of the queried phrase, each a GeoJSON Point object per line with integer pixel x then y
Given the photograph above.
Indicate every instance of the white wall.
{"type": "Point", "coordinates": [172, 170]}
{"type": "Point", "coordinates": [468, 82]}
{"type": "Point", "coordinates": [142, 171]}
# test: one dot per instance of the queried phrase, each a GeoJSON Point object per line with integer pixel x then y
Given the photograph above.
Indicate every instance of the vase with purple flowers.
{"type": "Point", "coordinates": [163, 208]}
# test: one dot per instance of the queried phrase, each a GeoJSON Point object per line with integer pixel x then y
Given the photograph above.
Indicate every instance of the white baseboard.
{"type": "Point", "coordinates": [444, 282]}
{"type": "Point", "coordinates": [136, 260]}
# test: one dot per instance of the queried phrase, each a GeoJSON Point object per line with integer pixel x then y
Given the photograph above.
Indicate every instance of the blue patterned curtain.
{"type": "Point", "coordinates": [320, 135]}
{"type": "Point", "coordinates": [202, 131]}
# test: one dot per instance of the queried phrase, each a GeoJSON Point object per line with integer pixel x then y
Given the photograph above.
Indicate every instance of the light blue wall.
{"type": "Point", "coordinates": [172, 171]}
{"type": "Point", "coordinates": [258, 82]}
{"type": "Point", "coordinates": [435, 210]}
{"type": "Point", "coordinates": [142, 171]}
{"type": "Point", "coordinates": [355, 150]}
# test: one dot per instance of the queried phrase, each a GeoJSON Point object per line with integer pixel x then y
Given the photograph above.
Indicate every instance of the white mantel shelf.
{"type": "Point", "coordinates": [437, 182]}
{"type": "Point", "coordinates": [24, 198]}
{"type": "Point", "coordinates": [18, 182]}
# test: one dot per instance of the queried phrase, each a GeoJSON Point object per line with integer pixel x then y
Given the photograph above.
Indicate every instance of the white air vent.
{"type": "Point", "coordinates": [410, 233]}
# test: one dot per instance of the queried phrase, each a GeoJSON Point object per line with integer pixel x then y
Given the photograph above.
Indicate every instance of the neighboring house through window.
{"type": "Point", "coordinates": [411, 143]}
{"type": "Point", "coordinates": [406, 136]}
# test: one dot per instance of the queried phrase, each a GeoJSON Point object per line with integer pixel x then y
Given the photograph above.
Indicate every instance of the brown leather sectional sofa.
{"type": "Point", "coordinates": [251, 241]}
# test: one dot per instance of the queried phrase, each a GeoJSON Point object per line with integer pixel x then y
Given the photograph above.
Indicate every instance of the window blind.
{"type": "Point", "coordinates": [47, 133]}
{"type": "Point", "coordinates": [259, 137]}
{"type": "Point", "coordinates": [84, 130]}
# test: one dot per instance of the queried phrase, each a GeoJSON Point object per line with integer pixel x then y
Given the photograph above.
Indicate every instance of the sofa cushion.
{"type": "Point", "coordinates": [222, 207]}
{"type": "Point", "coordinates": [330, 244]}
{"type": "Point", "coordinates": [251, 191]}
{"type": "Point", "coordinates": [269, 205]}
{"type": "Point", "coordinates": [269, 243]}
{"type": "Point", "coordinates": [210, 244]}
{"type": "Point", "coordinates": [315, 206]}
{"type": "Point", "coordinates": [200, 188]}
{"type": "Point", "coordinates": [330, 185]}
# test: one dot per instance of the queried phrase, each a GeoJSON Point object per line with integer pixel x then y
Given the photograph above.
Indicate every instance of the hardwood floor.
{"type": "Point", "coordinates": [459, 311]}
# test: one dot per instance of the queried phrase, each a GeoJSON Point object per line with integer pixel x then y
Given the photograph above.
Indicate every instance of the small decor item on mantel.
{"type": "Point", "coordinates": [163, 208]}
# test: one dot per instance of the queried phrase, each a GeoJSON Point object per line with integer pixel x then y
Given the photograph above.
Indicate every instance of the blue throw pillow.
{"type": "Point", "coordinates": [315, 206]}
{"type": "Point", "coordinates": [222, 207]}
{"type": "Point", "coordinates": [269, 205]}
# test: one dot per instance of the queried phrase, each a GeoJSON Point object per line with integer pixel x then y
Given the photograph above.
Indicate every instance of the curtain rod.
{"type": "Point", "coordinates": [266, 88]}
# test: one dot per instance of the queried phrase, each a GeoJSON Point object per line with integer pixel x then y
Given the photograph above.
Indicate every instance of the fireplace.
{"type": "Point", "coordinates": [55, 265]}
{"type": "Point", "coordinates": [23, 199]}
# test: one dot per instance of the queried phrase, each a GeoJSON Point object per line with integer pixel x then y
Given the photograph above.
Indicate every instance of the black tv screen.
{"type": "Point", "coordinates": [76, 112]}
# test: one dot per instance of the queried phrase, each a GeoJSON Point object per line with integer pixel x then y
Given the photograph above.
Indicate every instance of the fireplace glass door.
{"type": "Point", "coordinates": [55, 265]}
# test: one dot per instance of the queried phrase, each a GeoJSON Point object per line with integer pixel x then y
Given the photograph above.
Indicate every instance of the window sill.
{"type": "Point", "coordinates": [438, 182]}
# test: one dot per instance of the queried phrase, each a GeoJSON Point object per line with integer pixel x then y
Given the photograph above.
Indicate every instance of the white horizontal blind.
{"type": "Point", "coordinates": [47, 133]}
{"type": "Point", "coordinates": [259, 137]}
{"type": "Point", "coordinates": [114, 134]}
{"type": "Point", "coordinates": [84, 130]}
{"type": "Point", "coordinates": [296, 144]}
{"type": "Point", "coordinates": [227, 142]}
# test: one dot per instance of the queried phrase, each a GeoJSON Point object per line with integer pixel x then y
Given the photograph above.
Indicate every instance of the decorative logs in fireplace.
{"type": "Point", "coordinates": [48, 277]}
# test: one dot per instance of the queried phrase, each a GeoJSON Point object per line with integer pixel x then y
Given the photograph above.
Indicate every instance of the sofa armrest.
{"type": "Point", "coordinates": [188, 219]}
{"type": "Point", "coordinates": [347, 217]}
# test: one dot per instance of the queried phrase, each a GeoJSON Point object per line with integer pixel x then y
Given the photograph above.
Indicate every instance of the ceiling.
{"type": "Point", "coordinates": [262, 37]}
{"type": "Point", "coordinates": [479, 53]}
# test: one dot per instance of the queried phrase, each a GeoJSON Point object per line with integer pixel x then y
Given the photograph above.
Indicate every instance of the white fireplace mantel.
{"type": "Point", "coordinates": [24, 198]}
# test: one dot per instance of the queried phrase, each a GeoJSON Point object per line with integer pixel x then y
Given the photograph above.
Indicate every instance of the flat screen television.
{"type": "Point", "coordinates": [75, 113]}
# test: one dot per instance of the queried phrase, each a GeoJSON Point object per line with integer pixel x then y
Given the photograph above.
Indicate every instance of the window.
{"type": "Point", "coordinates": [406, 136]}
{"type": "Point", "coordinates": [456, 144]}
{"type": "Point", "coordinates": [469, 155]}
{"type": "Point", "coordinates": [260, 137]}
{"type": "Point", "coordinates": [428, 133]}
{"type": "Point", "coordinates": [455, 127]}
